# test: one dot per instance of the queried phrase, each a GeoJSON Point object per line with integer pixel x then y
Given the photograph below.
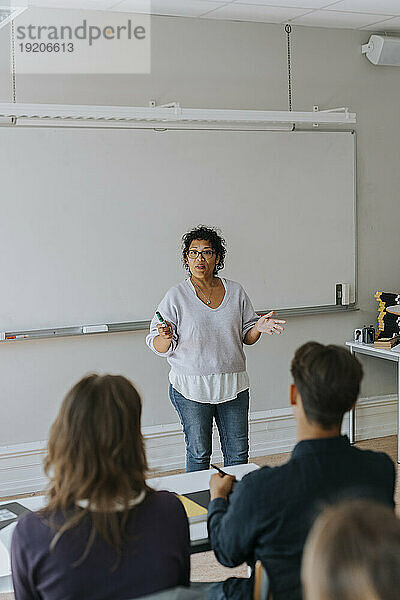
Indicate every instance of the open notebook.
{"type": "Point", "coordinates": [196, 505]}
{"type": "Point", "coordinates": [10, 512]}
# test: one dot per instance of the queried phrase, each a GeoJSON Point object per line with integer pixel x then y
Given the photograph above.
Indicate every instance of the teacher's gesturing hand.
{"type": "Point", "coordinates": [266, 324]}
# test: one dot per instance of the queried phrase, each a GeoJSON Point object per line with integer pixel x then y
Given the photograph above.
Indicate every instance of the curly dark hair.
{"type": "Point", "coordinates": [209, 234]}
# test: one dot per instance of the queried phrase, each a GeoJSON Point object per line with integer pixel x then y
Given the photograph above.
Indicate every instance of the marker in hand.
{"type": "Point", "coordinates": [161, 319]}
{"type": "Point", "coordinates": [164, 328]}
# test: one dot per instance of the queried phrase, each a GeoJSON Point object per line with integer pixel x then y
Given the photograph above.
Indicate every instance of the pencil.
{"type": "Point", "coordinates": [219, 470]}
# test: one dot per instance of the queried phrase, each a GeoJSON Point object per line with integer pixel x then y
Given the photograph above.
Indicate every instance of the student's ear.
{"type": "Point", "coordinates": [293, 393]}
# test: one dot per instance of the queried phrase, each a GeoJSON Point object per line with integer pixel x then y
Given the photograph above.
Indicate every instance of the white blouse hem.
{"type": "Point", "coordinates": [210, 389]}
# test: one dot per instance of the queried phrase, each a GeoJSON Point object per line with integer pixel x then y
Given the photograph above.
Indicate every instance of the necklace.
{"type": "Point", "coordinates": [208, 300]}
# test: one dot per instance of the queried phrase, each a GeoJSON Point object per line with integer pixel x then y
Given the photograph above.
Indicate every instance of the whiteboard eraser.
{"type": "Point", "coordinates": [342, 293]}
{"type": "Point", "coordinates": [95, 329]}
{"type": "Point", "coordinates": [2, 336]}
{"type": "Point", "coordinates": [345, 294]}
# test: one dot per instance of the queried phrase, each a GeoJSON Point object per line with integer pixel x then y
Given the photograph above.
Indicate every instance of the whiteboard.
{"type": "Point", "coordinates": [92, 218]}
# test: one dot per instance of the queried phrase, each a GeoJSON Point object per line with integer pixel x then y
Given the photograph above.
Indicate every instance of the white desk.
{"type": "Point", "coordinates": [394, 356]}
{"type": "Point", "coordinates": [181, 484]}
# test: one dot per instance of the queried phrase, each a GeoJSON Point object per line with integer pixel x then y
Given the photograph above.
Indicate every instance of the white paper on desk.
{"type": "Point", "coordinates": [396, 348]}
{"type": "Point", "coordinates": [5, 548]}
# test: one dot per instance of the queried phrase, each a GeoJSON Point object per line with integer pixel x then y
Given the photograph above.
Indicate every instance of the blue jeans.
{"type": "Point", "coordinates": [232, 422]}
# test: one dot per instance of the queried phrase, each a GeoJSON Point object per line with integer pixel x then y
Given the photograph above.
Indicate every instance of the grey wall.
{"type": "Point", "coordinates": [237, 65]}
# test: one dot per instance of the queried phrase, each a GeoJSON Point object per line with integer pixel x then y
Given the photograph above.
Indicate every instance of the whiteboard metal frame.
{"type": "Point", "coordinates": [75, 330]}
{"type": "Point", "coordinates": [57, 332]}
{"type": "Point", "coordinates": [355, 220]}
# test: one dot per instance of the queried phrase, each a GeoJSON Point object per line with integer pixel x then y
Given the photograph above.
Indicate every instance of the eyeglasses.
{"type": "Point", "coordinates": [207, 254]}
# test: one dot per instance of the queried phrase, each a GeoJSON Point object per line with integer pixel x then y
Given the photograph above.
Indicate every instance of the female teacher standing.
{"type": "Point", "coordinates": [207, 321]}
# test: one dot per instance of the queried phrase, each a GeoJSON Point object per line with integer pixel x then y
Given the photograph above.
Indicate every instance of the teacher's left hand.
{"type": "Point", "coordinates": [266, 324]}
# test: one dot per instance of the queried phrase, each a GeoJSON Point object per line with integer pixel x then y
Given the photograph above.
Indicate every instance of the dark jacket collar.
{"type": "Point", "coordinates": [315, 446]}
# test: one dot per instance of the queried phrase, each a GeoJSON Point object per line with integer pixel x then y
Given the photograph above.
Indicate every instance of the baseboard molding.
{"type": "Point", "coordinates": [271, 432]}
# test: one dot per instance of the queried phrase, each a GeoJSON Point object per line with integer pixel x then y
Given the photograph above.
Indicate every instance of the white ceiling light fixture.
{"type": "Point", "coordinates": [9, 13]}
{"type": "Point", "coordinates": [171, 114]}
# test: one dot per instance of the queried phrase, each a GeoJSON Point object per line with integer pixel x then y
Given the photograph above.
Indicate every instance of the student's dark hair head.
{"type": "Point", "coordinates": [353, 553]}
{"type": "Point", "coordinates": [328, 380]}
{"type": "Point", "coordinates": [209, 234]}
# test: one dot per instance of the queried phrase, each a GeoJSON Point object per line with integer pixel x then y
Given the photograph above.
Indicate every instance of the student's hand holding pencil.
{"type": "Point", "coordinates": [221, 485]}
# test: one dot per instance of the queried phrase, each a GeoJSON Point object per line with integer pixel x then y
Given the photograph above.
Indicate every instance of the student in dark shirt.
{"type": "Point", "coordinates": [271, 510]}
{"type": "Point", "coordinates": [104, 532]}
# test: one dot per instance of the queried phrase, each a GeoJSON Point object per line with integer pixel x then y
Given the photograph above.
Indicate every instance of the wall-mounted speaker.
{"type": "Point", "coordinates": [382, 50]}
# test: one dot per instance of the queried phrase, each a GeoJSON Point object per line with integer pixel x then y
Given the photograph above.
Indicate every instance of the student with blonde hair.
{"type": "Point", "coordinates": [353, 553]}
{"type": "Point", "coordinates": [104, 533]}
